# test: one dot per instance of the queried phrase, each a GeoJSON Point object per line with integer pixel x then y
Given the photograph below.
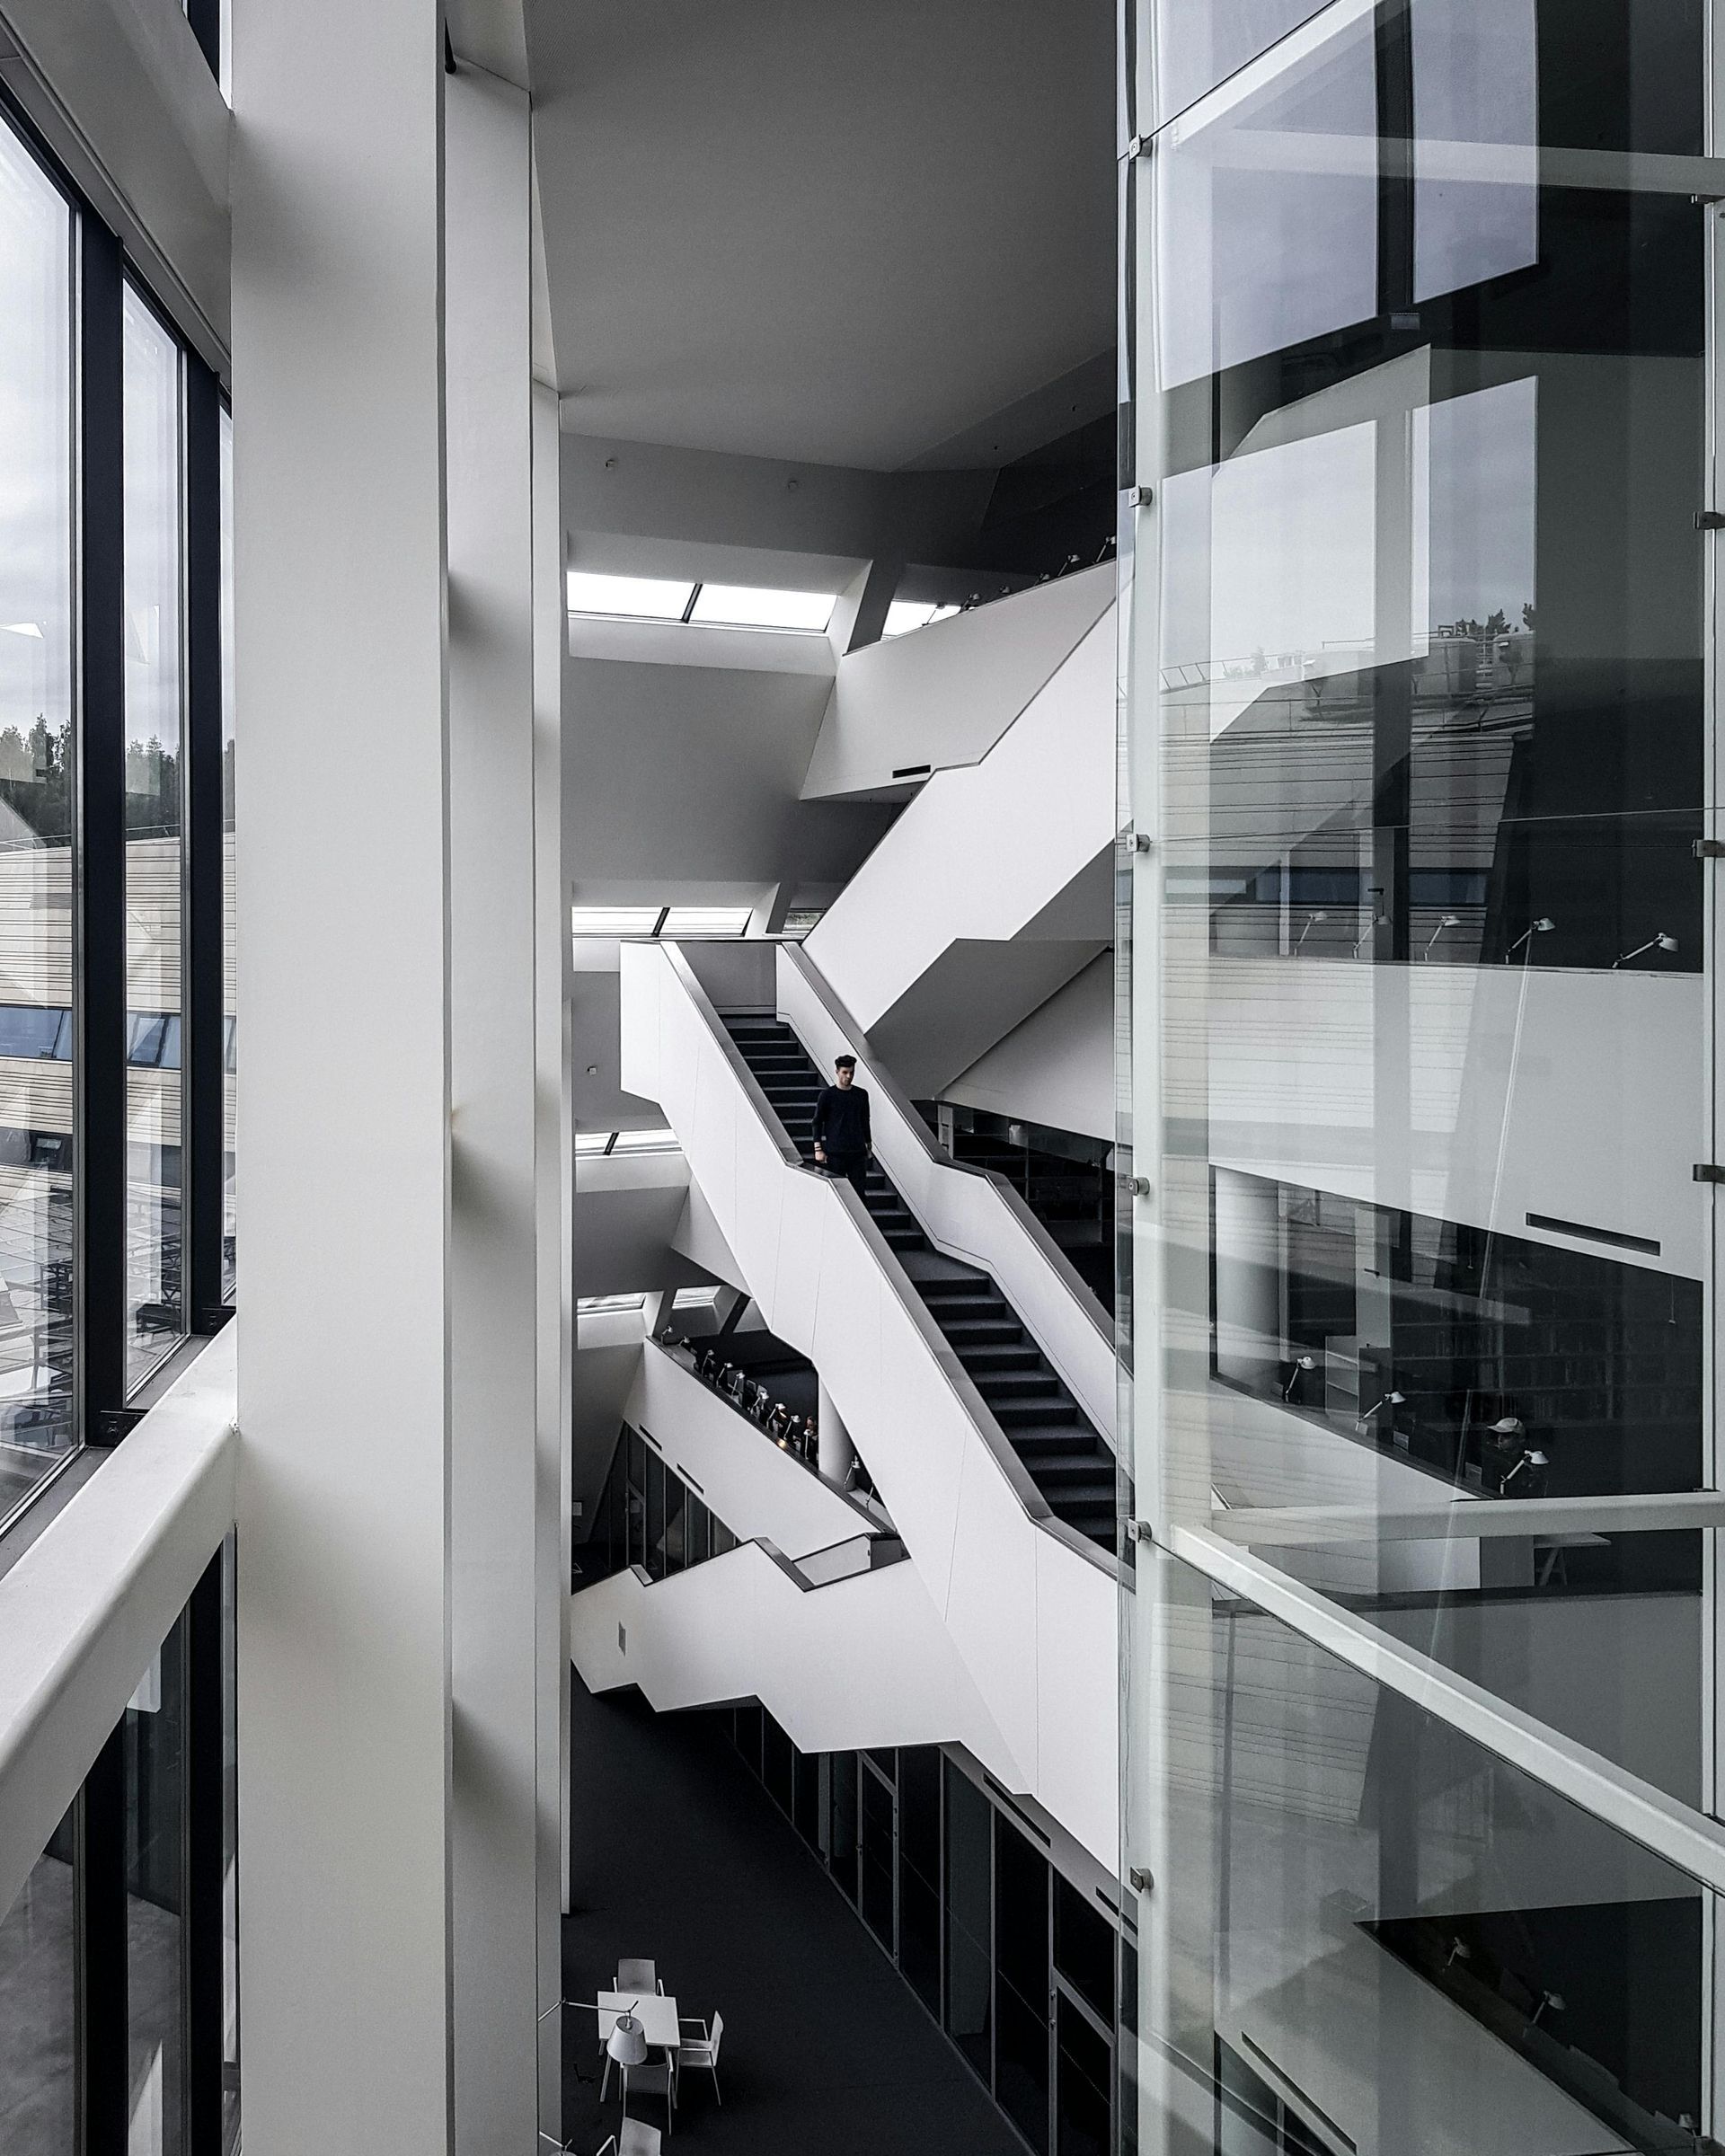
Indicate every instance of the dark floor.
{"type": "Point", "coordinates": [680, 1855]}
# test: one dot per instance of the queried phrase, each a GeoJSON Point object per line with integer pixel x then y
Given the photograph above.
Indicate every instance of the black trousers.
{"type": "Point", "coordinates": [854, 1169]}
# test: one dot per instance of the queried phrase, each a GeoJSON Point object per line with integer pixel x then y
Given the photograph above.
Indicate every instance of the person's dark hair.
{"type": "Point", "coordinates": [845, 1062]}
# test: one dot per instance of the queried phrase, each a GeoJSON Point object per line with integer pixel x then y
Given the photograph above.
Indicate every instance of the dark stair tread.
{"type": "Point", "coordinates": [1057, 1447]}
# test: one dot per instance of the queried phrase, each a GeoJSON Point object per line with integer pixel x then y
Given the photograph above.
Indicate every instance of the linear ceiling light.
{"type": "Point", "coordinates": [645, 1141]}
{"type": "Point", "coordinates": [744, 606]}
{"type": "Point", "coordinates": [639, 599]}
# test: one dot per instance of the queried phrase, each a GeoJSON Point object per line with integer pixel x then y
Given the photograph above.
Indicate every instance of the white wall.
{"type": "Point", "coordinates": [995, 887]}
{"type": "Point", "coordinates": [862, 1661]}
{"type": "Point", "coordinates": [1056, 1068]}
{"type": "Point", "coordinates": [686, 782]}
{"type": "Point", "coordinates": [494, 1472]}
{"type": "Point", "coordinates": [945, 694]}
{"type": "Point", "coordinates": [1579, 1095]}
{"type": "Point", "coordinates": [343, 1371]}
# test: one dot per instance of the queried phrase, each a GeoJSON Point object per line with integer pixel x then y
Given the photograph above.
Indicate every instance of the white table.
{"type": "Point", "coordinates": [656, 2013]}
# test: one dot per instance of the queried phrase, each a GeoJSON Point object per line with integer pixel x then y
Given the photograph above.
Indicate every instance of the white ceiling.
{"type": "Point", "coordinates": [837, 231]}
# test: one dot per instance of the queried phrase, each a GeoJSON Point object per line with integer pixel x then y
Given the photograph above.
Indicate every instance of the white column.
{"type": "Point", "coordinates": [554, 968]}
{"type": "Point", "coordinates": [343, 1094]}
{"type": "Point", "coordinates": [494, 1469]}
{"type": "Point", "coordinates": [837, 1454]}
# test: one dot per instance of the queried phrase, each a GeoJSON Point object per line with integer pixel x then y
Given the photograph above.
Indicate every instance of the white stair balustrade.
{"type": "Point", "coordinates": [1029, 1606]}
{"type": "Point", "coordinates": [841, 1653]}
{"type": "Point", "coordinates": [993, 888]}
{"type": "Point", "coordinates": [970, 1213]}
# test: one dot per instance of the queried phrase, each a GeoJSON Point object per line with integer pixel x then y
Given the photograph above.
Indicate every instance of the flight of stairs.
{"type": "Point", "coordinates": [1061, 1451]}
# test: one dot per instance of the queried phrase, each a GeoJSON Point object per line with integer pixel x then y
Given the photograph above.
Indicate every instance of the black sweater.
{"type": "Point", "coordinates": [841, 1119]}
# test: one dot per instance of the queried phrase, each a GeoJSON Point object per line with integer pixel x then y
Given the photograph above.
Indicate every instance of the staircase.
{"type": "Point", "coordinates": [1060, 1450]}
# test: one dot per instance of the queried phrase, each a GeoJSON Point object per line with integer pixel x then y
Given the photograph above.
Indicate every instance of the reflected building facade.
{"type": "Point", "coordinates": [1420, 1781]}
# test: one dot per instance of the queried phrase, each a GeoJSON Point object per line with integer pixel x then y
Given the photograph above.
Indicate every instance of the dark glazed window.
{"type": "Point", "coordinates": [1022, 1982]}
{"type": "Point", "coordinates": [38, 2031]}
{"type": "Point", "coordinates": [1083, 1947]}
{"type": "Point", "coordinates": [969, 1920]}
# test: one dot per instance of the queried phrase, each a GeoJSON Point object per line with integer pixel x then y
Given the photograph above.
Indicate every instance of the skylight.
{"type": "Point", "coordinates": [641, 599]}
{"type": "Point", "coordinates": [592, 1306]}
{"type": "Point", "coordinates": [745, 606]}
{"type": "Point", "coordinates": [644, 1141]}
{"type": "Point", "coordinates": [616, 920]}
{"type": "Point", "coordinates": [694, 1298]}
{"type": "Point", "coordinates": [705, 921]}
{"type": "Point", "coordinates": [905, 614]}
{"type": "Point", "coordinates": [659, 920]}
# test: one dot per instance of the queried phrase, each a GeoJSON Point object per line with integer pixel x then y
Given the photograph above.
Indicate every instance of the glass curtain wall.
{"type": "Point", "coordinates": [38, 1995]}
{"type": "Point", "coordinates": [38, 660]}
{"type": "Point", "coordinates": [1421, 1793]}
{"type": "Point", "coordinates": [154, 844]}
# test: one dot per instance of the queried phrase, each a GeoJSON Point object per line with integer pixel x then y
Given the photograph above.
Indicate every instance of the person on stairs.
{"type": "Point", "coordinates": [842, 1136]}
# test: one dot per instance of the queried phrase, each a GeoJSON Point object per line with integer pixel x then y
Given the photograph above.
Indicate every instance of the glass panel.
{"type": "Point", "coordinates": [1083, 2079]}
{"type": "Point", "coordinates": [154, 864]}
{"type": "Point", "coordinates": [156, 1830]}
{"type": "Point", "coordinates": [696, 1534]}
{"type": "Point", "coordinates": [1409, 1944]}
{"type": "Point", "coordinates": [230, 1027]}
{"type": "Point", "coordinates": [1599, 1629]}
{"type": "Point", "coordinates": [39, 2005]}
{"type": "Point", "coordinates": [969, 1920]}
{"type": "Point", "coordinates": [1022, 1982]}
{"type": "Point", "coordinates": [841, 1829]}
{"type": "Point", "coordinates": [1083, 1947]}
{"type": "Point", "coordinates": [675, 1497]}
{"type": "Point", "coordinates": [878, 1859]}
{"type": "Point", "coordinates": [36, 703]}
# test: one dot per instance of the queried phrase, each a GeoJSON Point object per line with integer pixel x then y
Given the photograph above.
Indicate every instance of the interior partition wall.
{"type": "Point", "coordinates": [1419, 889]}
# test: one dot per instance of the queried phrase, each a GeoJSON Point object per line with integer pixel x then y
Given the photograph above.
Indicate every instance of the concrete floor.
{"type": "Point", "coordinates": [679, 1856]}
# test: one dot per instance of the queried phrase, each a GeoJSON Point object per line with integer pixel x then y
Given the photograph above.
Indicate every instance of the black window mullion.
{"type": "Point", "coordinates": [202, 1049]}
{"type": "Point", "coordinates": [100, 987]}
{"type": "Point", "coordinates": [205, 1857]}
{"type": "Point", "coordinates": [103, 2061]}
{"type": "Point", "coordinates": [206, 19]}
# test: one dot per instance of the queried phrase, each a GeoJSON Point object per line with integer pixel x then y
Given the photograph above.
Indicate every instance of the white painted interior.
{"type": "Point", "coordinates": [1031, 1614]}
{"type": "Point", "coordinates": [494, 1549]}
{"type": "Point", "coordinates": [1056, 1068]}
{"type": "Point", "coordinates": [758, 1491]}
{"type": "Point", "coordinates": [945, 695]}
{"type": "Point", "coordinates": [994, 887]}
{"type": "Point", "coordinates": [860, 1659]}
{"type": "Point", "coordinates": [343, 1373]}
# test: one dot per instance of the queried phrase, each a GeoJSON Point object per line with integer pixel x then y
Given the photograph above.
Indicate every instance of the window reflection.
{"type": "Point", "coordinates": [38, 2007]}
{"type": "Point", "coordinates": [36, 888]}
{"type": "Point", "coordinates": [154, 692]}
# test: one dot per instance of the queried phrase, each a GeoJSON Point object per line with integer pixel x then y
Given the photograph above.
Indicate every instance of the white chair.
{"type": "Point", "coordinates": [657, 2078]}
{"type": "Point", "coordinates": [702, 2049]}
{"type": "Point", "coordinates": [637, 1977]}
{"type": "Point", "coordinates": [639, 2139]}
